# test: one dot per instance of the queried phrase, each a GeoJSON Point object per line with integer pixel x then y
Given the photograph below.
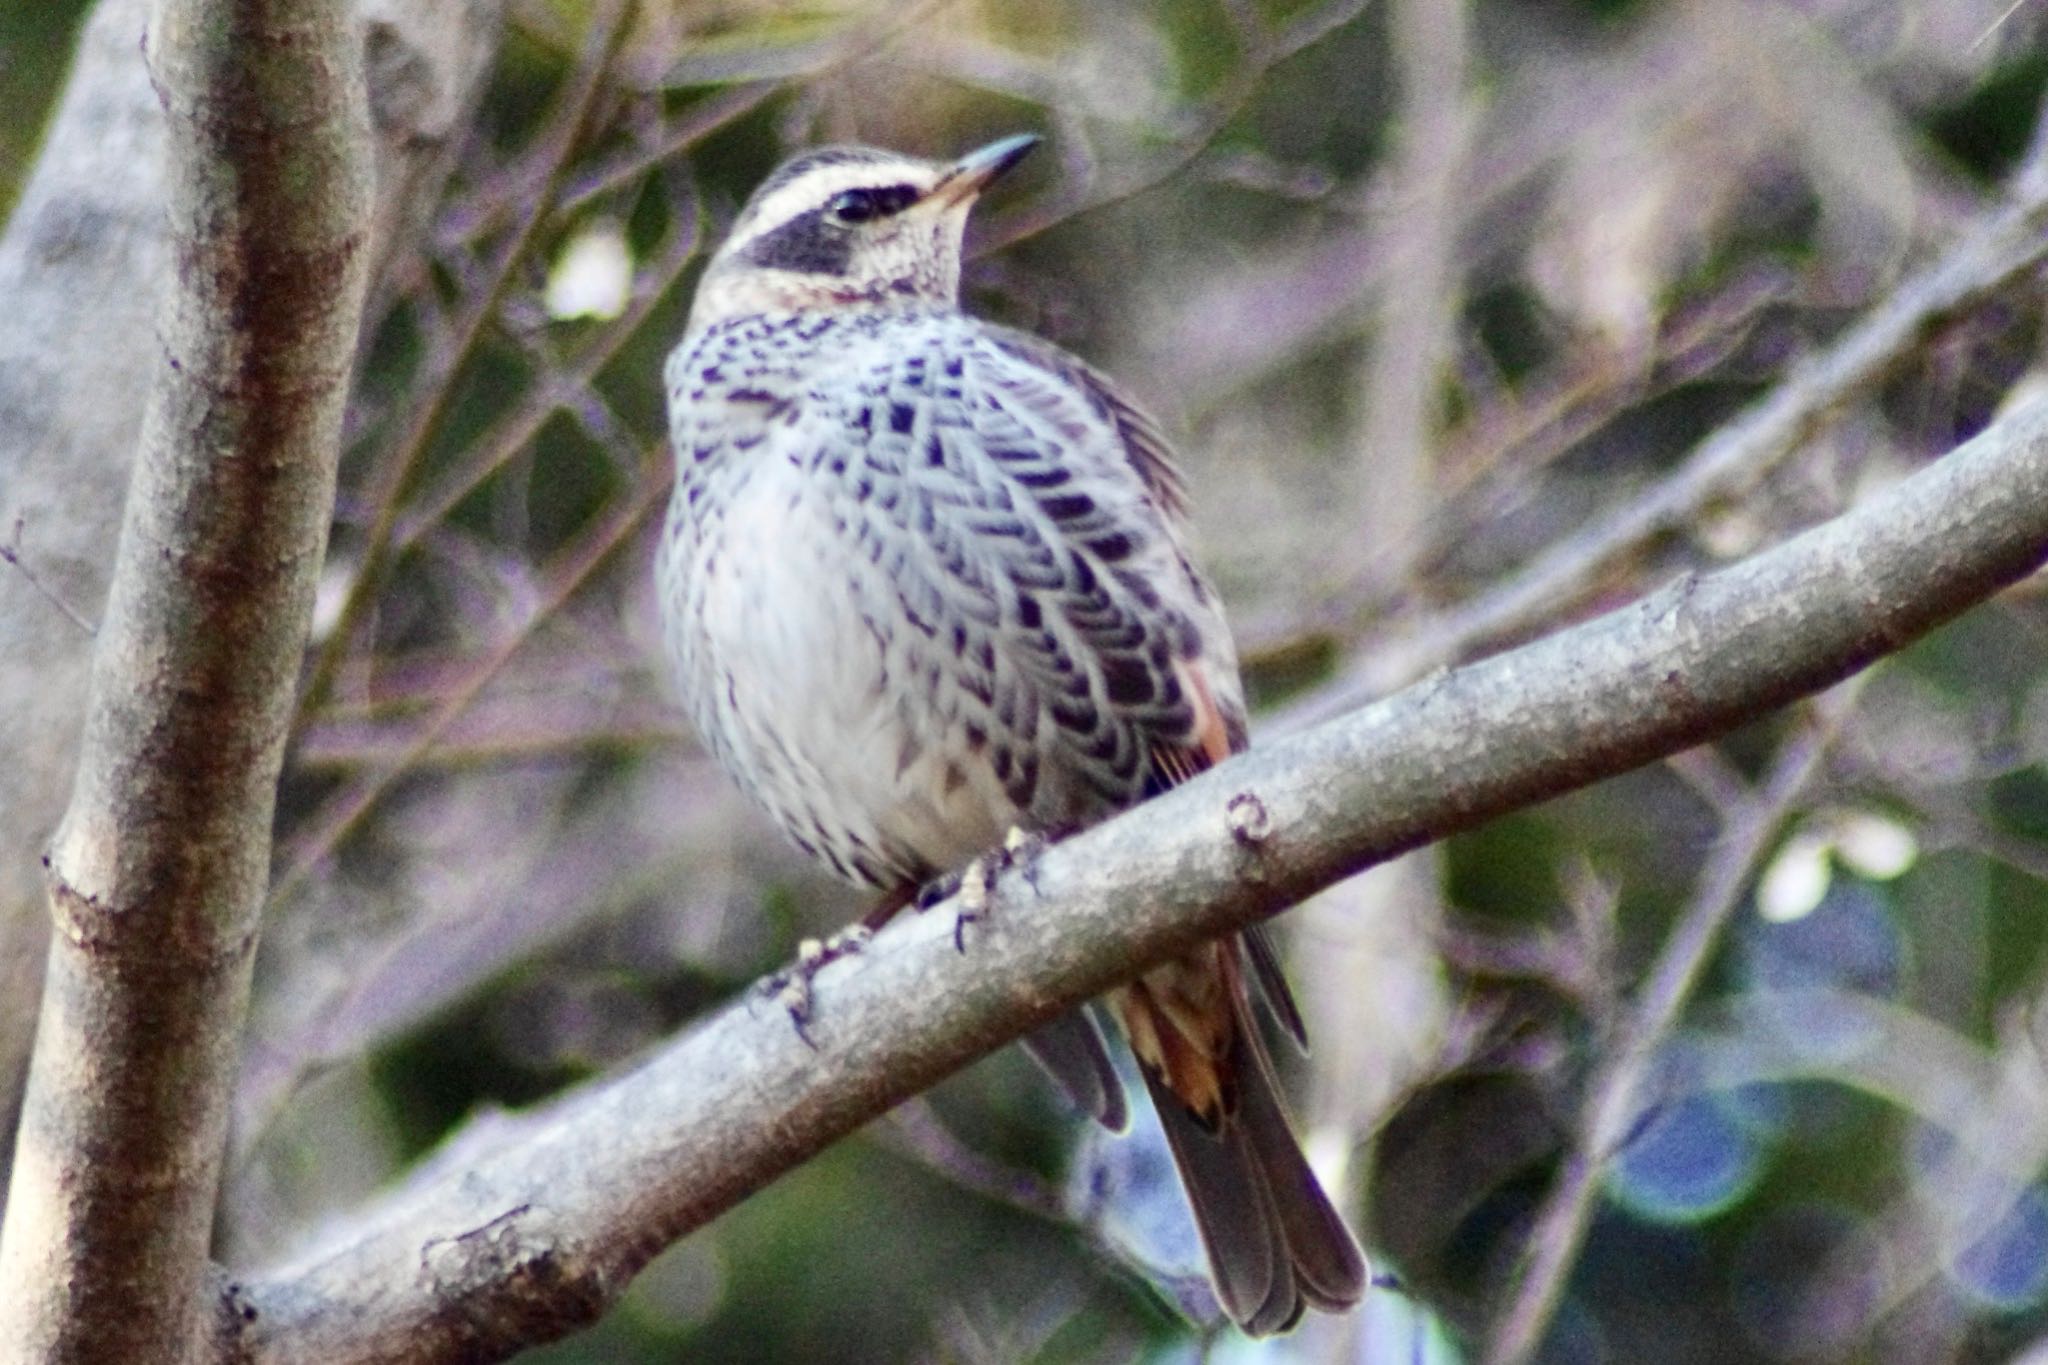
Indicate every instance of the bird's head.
{"type": "Point", "coordinates": [851, 227]}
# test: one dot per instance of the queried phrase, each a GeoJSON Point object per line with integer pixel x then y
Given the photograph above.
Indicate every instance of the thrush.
{"type": "Point", "coordinates": [924, 582]}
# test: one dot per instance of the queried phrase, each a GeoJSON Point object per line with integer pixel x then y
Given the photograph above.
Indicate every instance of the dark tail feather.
{"type": "Point", "coordinates": [1275, 1244]}
{"type": "Point", "coordinates": [1329, 1266]}
{"type": "Point", "coordinates": [1273, 988]}
{"type": "Point", "coordinates": [1072, 1051]}
{"type": "Point", "coordinates": [1240, 1229]}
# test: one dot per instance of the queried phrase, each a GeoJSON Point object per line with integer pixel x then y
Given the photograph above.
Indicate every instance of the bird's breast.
{"type": "Point", "coordinates": [803, 675]}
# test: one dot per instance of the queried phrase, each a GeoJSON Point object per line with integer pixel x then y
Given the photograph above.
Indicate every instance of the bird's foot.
{"type": "Point", "coordinates": [973, 883]}
{"type": "Point", "coordinates": [973, 901]}
{"type": "Point", "coordinates": [1021, 850]}
{"type": "Point", "coordinates": [938, 889]}
{"type": "Point", "coordinates": [791, 987]}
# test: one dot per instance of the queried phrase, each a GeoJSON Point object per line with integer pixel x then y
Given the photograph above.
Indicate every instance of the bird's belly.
{"type": "Point", "coordinates": [806, 682]}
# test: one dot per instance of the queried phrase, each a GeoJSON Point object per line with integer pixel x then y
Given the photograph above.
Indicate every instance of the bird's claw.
{"type": "Point", "coordinates": [974, 883]}
{"type": "Point", "coordinates": [792, 991]}
{"type": "Point", "coordinates": [791, 987]}
{"type": "Point", "coordinates": [1021, 850]}
{"type": "Point", "coordinates": [938, 890]}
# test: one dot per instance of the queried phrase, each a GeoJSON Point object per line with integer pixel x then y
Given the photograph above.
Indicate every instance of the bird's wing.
{"type": "Point", "coordinates": [1024, 515]}
{"type": "Point", "coordinates": [1138, 435]}
{"type": "Point", "coordinates": [1049, 561]}
{"type": "Point", "coordinates": [1211, 676]}
{"type": "Point", "coordinates": [1094, 483]}
{"type": "Point", "coordinates": [1055, 510]}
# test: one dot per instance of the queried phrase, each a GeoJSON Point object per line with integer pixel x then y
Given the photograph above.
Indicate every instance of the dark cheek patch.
{"type": "Point", "coordinates": [807, 243]}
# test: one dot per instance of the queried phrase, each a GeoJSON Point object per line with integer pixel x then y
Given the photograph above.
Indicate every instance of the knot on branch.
{"type": "Point", "coordinates": [80, 917]}
{"type": "Point", "coordinates": [517, 1281]}
{"type": "Point", "coordinates": [1251, 824]}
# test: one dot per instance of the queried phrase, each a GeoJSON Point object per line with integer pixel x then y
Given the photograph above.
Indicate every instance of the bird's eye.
{"type": "Point", "coordinates": [853, 206]}
{"type": "Point", "coordinates": [858, 206]}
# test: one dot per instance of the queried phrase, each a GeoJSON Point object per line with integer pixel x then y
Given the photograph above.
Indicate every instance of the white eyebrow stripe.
{"type": "Point", "coordinates": [814, 188]}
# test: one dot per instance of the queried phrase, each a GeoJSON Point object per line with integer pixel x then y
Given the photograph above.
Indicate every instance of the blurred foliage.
{"type": "Point", "coordinates": [503, 867]}
{"type": "Point", "coordinates": [35, 49]}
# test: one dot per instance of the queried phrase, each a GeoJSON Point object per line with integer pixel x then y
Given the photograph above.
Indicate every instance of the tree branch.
{"type": "Point", "coordinates": [81, 243]}
{"type": "Point", "coordinates": [79, 266]}
{"type": "Point", "coordinates": [529, 1229]}
{"type": "Point", "coordinates": [158, 871]}
{"type": "Point", "coordinates": [1984, 263]}
{"type": "Point", "coordinates": [1615, 1093]}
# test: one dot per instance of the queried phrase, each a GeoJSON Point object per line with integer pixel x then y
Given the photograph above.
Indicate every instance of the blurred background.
{"type": "Point", "coordinates": [1457, 308]}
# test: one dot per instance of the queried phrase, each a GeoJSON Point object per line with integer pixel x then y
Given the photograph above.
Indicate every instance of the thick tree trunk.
{"type": "Point", "coordinates": [79, 264]}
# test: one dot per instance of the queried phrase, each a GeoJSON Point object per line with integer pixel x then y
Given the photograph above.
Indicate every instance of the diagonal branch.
{"type": "Point", "coordinates": [80, 259]}
{"type": "Point", "coordinates": [1982, 265]}
{"type": "Point", "coordinates": [530, 1229]}
{"type": "Point", "coordinates": [158, 872]}
{"type": "Point", "coordinates": [401, 465]}
{"type": "Point", "coordinates": [1615, 1096]}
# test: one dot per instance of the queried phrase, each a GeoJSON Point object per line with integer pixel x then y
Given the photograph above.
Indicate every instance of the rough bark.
{"type": "Point", "coordinates": [528, 1227]}
{"type": "Point", "coordinates": [159, 869]}
{"type": "Point", "coordinates": [79, 263]}
{"type": "Point", "coordinates": [76, 267]}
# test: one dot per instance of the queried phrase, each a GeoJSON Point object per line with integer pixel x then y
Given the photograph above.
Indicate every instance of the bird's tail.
{"type": "Point", "coordinates": [1276, 1246]}
{"type": "Point", "coordinates": [1071, 1050]}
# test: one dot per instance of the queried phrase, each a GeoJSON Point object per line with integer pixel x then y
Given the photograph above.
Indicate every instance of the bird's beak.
{"type": "Point", "coordinates": [973, 173]}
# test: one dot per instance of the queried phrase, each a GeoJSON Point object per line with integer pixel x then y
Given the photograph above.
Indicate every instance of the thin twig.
{"type": "Point", "coordinates": [703, 119]}
{"type": "Point", "coordinates": [916, 1133]}
{"type": "Point", "coordinates": [345, 810]}
{"type": "Point", "coordinates": [1492, 459]}
{"type": "Point", "coordinates": [590, 710]}
{"type": "Point", "coordinates": [1614, 1097]}
{"type": "Point", "coordinates": [1207, 122]}
{"type": "Point", "coordinates": [10, 554]}
{"type": "Point", "coordinates": [1972, 272]}
{"type": "Point", "coordinates": [572, 127]}
{"type": "Point", "coordinates": [1393, 466]}
{"type": "Point", "coordinates": [509, 435]}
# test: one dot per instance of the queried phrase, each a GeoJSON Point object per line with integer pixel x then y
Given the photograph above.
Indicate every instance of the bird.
{"type": "Point", "coordinates": [924, 584]}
